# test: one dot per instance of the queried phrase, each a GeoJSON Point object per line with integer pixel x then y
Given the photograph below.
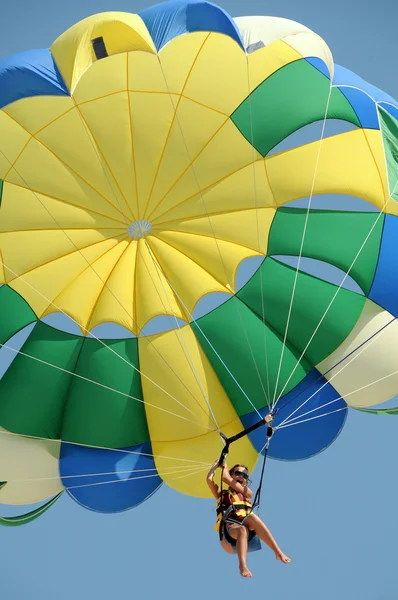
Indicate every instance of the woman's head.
{"type": "Point", "coordinates": [240, 473]}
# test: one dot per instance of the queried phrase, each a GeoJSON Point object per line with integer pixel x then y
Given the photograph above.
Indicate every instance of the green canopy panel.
{"type": "Point", "coordinates": [347, 240]}
{"type": "Point", "coordinates": [33, 393]}
{"type": "Point", "coordinates": [92, 396]}
{"type": "Point", "coordinates": [16, 311]}
{"type": "Point", "coordinates": [269, 294]}
{"type": "Point", "coordinates": [292, 97]}
{"type": "Point", "coordinates": [28, 517]}
{"type": "Point", "coordinates": [111, 414]}
{"type": "Point", "coordinates": [389, 130]}
{"type": "Point", "coordinates": [379, 411]}
{"type": "Point", "coordinates": [251, 350]}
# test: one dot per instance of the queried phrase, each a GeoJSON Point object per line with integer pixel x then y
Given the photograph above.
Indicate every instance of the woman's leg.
{"type": "Point", "coordinates": [241, 535]}
{"type": "Point", "coordinates": [255, 523]}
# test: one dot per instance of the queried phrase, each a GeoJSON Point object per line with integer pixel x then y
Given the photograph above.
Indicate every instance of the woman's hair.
{"type": "Point", "coordinates": [238, 465]}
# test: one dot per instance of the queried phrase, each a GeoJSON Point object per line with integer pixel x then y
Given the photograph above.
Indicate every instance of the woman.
{"type": "Point", "coordinates": [241, 523]}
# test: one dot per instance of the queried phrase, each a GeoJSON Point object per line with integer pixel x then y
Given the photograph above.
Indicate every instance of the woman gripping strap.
{"type": "Point", "coordinates": [237, 524]}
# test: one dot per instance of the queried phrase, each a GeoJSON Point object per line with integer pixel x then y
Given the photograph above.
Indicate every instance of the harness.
{"type": "Point", "coordinates": [234, 511]}
{"type": "Point", "coordinates": [237, 507]}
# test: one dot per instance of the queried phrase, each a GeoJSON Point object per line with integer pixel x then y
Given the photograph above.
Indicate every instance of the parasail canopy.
{"type": "Point", "coordinates": [151, 167]}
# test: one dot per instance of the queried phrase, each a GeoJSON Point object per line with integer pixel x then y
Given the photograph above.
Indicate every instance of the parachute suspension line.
{"type": "Point", "coordinates": [268, 397]}
{"type": "Point", "coordinates": [196, 472]}
{"type": "Point", "coordinates": [182, 340]}
{"type": "Point", "coordinates": [171, 471]}
{"type": "Point", "coordinates": [257, 495]}
{"type": "Point", "coordinates": [105, 285]}
{"type": "Point", "coordinates": [332, 300]}
{"type": "Point", "coordinates": [289, 420]}
{"type": "Point", "coordinates": [368, 341]}
{"type": "Point", "coordinates": [302, 245]}
{"type": "Point", "coordinates": [290, 424]}
{"type": "Point", "coordinates": [363, 347]}
{"type": "Point", "coordinates": [208, 341]}
{"type": "Point", "coordinates": [322, 375]}
{"type": "Point", "coordinates": [138, 248]}
{"type": "Point", "coordinates": [120, 450]}
{"type": "Point", "coordinates": [375, 335]}
{"type": "Point", "coordinates": [85, 485]}
{"type": "Point", "coordinates": [382, 329]}
{"type": "Point", "coordinates": [91, 138]}
{"type": "Point", "coordinates": [109, 388]}
{"type": "Point", "coordinates": [292, 420]}
{"type": "Point", "coordinates": [90, 334]}
{"type": "Point", "coordinates": [211, 225]}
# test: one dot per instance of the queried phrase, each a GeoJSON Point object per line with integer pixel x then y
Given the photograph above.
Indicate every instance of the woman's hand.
{"type": "Point", "coordinates": [213, 469]}
{"type": "Point", "coordinates": [210, 479]}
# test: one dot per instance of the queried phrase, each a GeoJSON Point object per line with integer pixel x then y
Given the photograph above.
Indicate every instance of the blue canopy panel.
{"type": "Point", "coordinates": [362, 96]}
{"type": "Point", "coordinates": [384, 290]}
{"type": "Point", "coordinates": [303, 439]}
{"type": "Point", "coordinates": [393, 110]}
{"type": "Point", "coordinates": [31, 73]}
{"type": "Point", "coordinates": [318, 63]}
{"type": "Point", "coordinates": [112, 480]}
{"type": "Point", "coordinates": [168, 20]}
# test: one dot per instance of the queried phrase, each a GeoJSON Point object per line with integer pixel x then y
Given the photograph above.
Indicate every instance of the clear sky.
{"type": "Point", "coordinates": [335, 514]}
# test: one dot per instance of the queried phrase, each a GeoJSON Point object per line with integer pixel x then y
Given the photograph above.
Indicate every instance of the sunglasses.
{"type": "Point", "coordinates": [241, 474]}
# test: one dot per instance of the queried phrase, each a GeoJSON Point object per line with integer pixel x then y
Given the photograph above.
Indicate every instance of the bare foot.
{"type": "Point", "coordinates": [282, 557]}
{"type": "Point", "coordinates": [244, 571]}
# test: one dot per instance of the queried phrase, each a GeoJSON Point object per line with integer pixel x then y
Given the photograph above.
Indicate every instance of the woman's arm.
{"type": "Point", "coordinates": [237, 487]}
{"type": "Point", "coordinates": [210, 480]}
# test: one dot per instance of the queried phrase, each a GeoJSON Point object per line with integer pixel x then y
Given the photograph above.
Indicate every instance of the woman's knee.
{"type": "Point", "coordinates": [242, 532]}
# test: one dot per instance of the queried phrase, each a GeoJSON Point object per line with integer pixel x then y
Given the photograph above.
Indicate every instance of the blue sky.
{"type": "Point", "coordinates": [335, 514]}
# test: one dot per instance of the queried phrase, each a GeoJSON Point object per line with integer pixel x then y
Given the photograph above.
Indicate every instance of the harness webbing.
{"type": "Point", "coordinates": [257, 496]}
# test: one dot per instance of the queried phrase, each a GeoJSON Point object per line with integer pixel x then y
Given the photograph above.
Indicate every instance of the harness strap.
{"type": "Point", "coordinates": [234, 507]}
{"type": "Point", "coordinates": [257, 496]}
{"type": "Point", "coordinates": [256, 502]}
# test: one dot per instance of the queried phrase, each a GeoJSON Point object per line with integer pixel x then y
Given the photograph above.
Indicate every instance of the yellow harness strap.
{"type": "Point", "coordinates": [240, 512]}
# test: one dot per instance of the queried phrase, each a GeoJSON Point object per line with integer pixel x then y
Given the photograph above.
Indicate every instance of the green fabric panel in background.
{"type": "Point", "coordinates": [33, 394]}
{"type": "Point", "coordinates": [311, 298]}
{"type": "Point", "coordinates": [289, 99]}
{"type": "Point", "coordinates": [98, 416]}
{"type": "Point", "coordinates": [389, 130]}
{"type": "Point", "coordinates": [28, 517]}
{"type": "Point", "coordinates": [15, 313]}
{"type": "Point", "coordinates": [379, 411]}
{"type": "Point", "coordinates": [331, 236]}
{"type": "Point", "coordinates": [237, 335]}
